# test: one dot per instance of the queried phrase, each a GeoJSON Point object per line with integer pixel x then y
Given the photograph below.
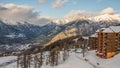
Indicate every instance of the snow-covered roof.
{"type": "Point", "coordinates": [112, 29]}
{"type": "Point", "coordinates": [94, 35]}
{"type": "Point", "coordinates": [85, 37]}
{"type": "Point", "coordinates": [100, 29]}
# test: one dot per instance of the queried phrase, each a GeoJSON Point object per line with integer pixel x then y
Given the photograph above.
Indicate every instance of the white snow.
{"type": "Point", "coordinates": [112, 29]}
{"type": "Point", "coordinates": [72, 62]}
{"type": "Point", "coordinates": [14, 35]}
{"type": "Point", "coordinates": [100, 29]}
{"type": "Point", "coordinates": [6, 59]}
{"type": "Point", "coordinates": [76, 60]}
{"type": "Point", "coordinates": [24, 47]}
{"type": "Point", "coordinates": [94, 35]}
{"type": "Point", "coordinates": [106, 17]}
{"type": "Point", "coordinates": [60, 21]}
{"type": "Point", "coordinates": [86, 37]}
{"type": "Point", "coordinates": [104, 63]}
{"type": "Point", "coordinates": [12, 65]}
{"type": "Point", "coordinates": [76, 39]}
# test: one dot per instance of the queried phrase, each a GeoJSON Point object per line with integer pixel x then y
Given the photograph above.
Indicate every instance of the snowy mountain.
{"type": "Point", "coordinates": [85, 27]}
{"type": "Point", "coordinates": [60, 21]}
{"type": "Point", "coordinates": [26, 33]}
{"type": "Point", "coordinates": [21, 34]}
{"type": "Point", "coordinates": [106, 17]}
{"type": "Point", "coordinates": [97, 18]}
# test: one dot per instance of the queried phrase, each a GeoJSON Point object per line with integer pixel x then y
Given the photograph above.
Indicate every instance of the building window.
{"type": "Point", "coordinates": [105, 37]}
{"type": "Point", "coordinates": [105, 43]}
{"type": "Point", "coordinates": [116, 34]}
{"type": "Point", "coordinates": [106, 33]}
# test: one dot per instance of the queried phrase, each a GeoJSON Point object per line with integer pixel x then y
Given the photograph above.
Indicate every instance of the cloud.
{"type": "Point", "coordinates": [59, 3]}
{"type": "Point", "coordinates": [19, 13]}
{"type": "Point", "coordinates": [77, 14]}
{"type": "Point", "coordinates": [108, 10]}
{"type": "Point", "coordinates": [42, 1]}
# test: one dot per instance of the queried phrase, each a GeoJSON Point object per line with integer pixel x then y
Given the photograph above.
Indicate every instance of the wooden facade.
{"type": "Point", "coordinates": [108, 43]}
{"type": "Point", "coordinates": [92, 43]}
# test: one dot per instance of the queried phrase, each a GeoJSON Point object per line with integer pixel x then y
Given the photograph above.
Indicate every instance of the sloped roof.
{"type": "Point", "coordinates": [94, 35]}
{"type": "Point", "coordinates": [100, 29]}
{"type": "Point", "coordinates": [112, 29]}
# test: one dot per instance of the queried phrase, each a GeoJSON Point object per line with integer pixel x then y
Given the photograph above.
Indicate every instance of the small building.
{"type": "Point", "coordinates": [93, 42]}
{"type": "Point", "coordinates": [108, 41]}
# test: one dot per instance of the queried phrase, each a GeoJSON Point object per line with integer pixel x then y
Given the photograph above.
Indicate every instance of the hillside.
{"type": "Point", "coordinates": [76, 60]}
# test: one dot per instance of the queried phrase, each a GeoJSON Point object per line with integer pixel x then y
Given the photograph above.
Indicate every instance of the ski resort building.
{"type": "Point", "coordinates": [93, 42]}
{"type": "Point", "coordinates": [108, 41]}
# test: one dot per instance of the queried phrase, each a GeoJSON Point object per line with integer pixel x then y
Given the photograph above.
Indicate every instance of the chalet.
{"type": "Point", "coordinates": [92, 42]}
{"type": "Point", "coordinates": [108, 41]}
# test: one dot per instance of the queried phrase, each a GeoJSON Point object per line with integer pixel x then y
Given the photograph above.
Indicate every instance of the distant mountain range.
{"type": "Point", "coordinates": [26, 33]}
{"type": "Point", "coordinates": [98, 18]}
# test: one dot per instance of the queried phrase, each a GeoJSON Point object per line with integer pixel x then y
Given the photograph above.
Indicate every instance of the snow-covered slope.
{"type": "Point", "coordinates": [76, 60]}
{"type": "Point", "coordinates": [72, 62]}
{"type": "Point", "coordinates": [6, 59]}
{"type": "Point", "coordinates": [8, 62]}
{"type": "Point", "coordinates": [103, 63]}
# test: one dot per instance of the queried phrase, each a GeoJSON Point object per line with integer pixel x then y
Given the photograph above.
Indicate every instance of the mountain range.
{"type": "Point", "coordinates": [25, 33]}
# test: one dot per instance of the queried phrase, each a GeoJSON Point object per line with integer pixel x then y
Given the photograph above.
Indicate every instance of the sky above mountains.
{"type": "Point", "coordinates": [33, 10]}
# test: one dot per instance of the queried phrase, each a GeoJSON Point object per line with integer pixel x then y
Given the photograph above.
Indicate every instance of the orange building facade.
{"type": "Point", "coordinates": [108, 41]}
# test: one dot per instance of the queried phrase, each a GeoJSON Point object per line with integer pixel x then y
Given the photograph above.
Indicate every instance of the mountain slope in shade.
{"type": "Point", "coordinates": [14, 36]}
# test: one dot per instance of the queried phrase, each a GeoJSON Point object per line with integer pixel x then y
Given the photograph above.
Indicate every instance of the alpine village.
{"type": "Point", "coordinates": [59, 34]}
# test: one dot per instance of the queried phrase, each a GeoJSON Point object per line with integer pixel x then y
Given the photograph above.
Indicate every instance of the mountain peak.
{"type": "Point", "coordinates": [106, 17]}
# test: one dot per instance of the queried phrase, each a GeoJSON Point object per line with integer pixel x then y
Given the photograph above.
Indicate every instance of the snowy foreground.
{"type": "Point", "coordinates": [8, 62]}
{"type": "Point", "coordinates": [75, 60]}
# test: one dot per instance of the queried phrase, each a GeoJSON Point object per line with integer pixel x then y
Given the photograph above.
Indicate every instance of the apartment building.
{"type": "Point", "coordinates": [108, 41]}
